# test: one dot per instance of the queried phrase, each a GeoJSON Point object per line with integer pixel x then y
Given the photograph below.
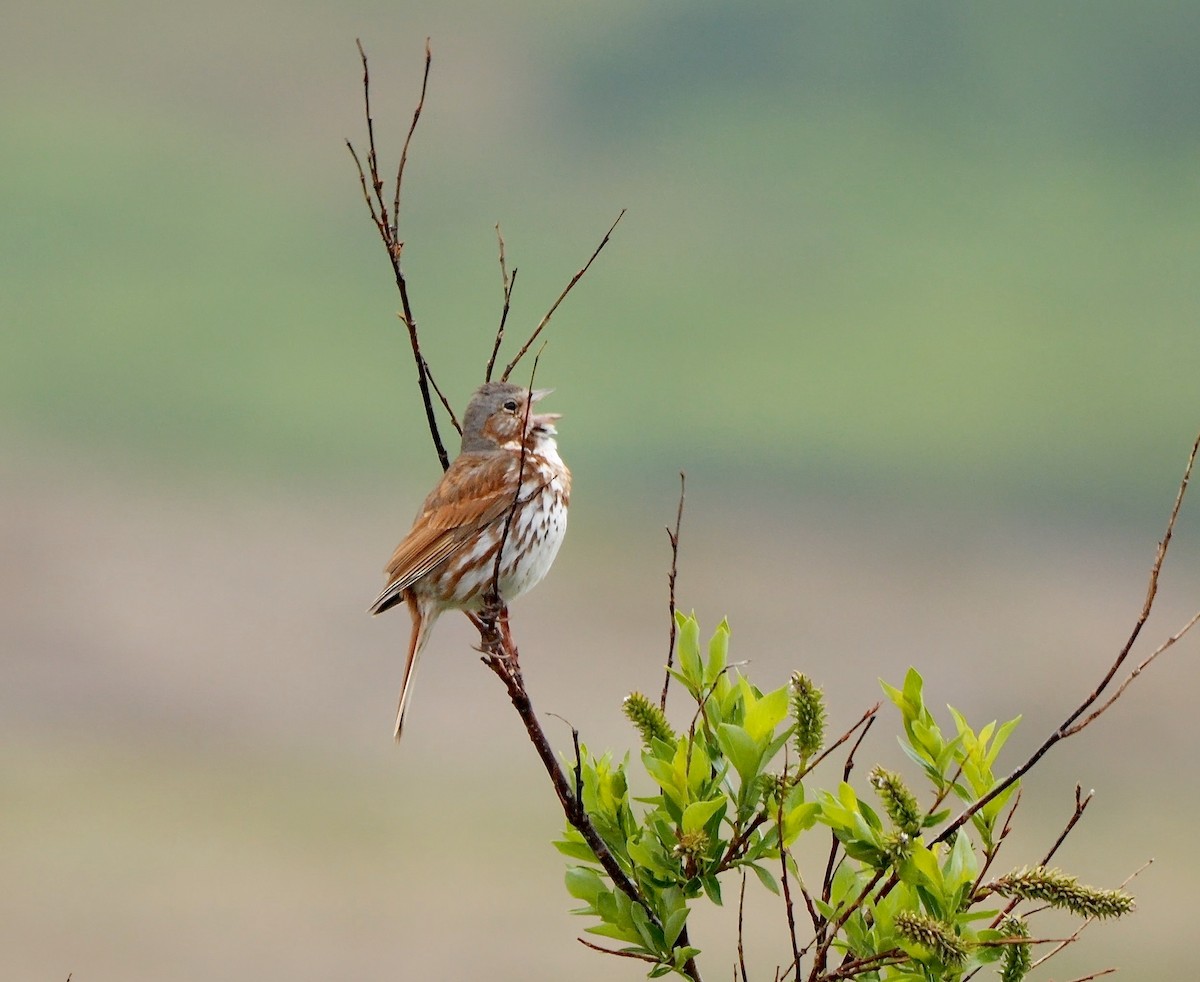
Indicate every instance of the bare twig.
{"type": "Point", "coordinates": [408, 139]}
{"type": "Point", "coordinates": [620, 954]}
{"type": "Point", "coordinates": [1094, 975]}
{"type": "Point", "coordinates": [741, 911]}
{"type": "Point", "coordinates": [1134, 674]}
{"type": "Point", "coordinates": [787, 893]}
{"type": "Point", "coordinates": [865, 721]}
{"type": "Point", "coordinates": [388, 228]}
{"type": "Point", "coordinates": [1068, 727]}
{"type": "Point", "coordinates": [561, 297]}
{"type": "Point", "coordinates": [1081, 802]}
{"type": "Point", "coordinates": [1151, 591]}
{"type": "Point", "coordinates": [674, 540]}
{"type": "Point", "coordinates": [507, 284]}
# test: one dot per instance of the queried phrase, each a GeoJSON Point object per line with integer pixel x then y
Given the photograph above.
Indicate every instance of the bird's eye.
{"type": "Point", "coordinates": [511, 405]}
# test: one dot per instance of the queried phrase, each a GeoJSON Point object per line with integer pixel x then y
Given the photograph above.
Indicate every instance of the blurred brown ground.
{"type": "Point", "coordinates": [198, 778]}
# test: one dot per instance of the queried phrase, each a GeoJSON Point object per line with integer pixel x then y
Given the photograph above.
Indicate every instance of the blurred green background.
{"type": "Point", "coordinates": [910, 292]}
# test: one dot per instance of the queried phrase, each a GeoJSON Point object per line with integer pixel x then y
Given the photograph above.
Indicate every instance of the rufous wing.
{"type": "Point", "coordinates": [472, 494]}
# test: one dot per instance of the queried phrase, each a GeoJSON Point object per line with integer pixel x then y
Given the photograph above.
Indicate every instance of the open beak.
{"type": "Point", "coordinates": [542, 421]}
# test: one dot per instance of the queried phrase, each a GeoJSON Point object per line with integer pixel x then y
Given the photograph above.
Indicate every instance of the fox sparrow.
{"type": "Point", "coordinates": [448, 559]}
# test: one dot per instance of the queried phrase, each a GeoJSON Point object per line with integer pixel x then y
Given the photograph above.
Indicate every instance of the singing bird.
{"type": "Point", "coordinates": [508, 464]}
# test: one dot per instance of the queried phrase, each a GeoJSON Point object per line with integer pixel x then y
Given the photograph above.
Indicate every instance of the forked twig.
{"type": "Point", "coordinates": [866, 720]}
{"type": "Point", "coordinates": [561, 297]}
{"type": "Point", "coordinates": [1069, 728]}
{"type": "Point", "coordinates": [388, 228]}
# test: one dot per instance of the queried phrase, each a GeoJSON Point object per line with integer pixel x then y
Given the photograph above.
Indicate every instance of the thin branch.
{"type": "Point", "coordinates": [389, 234]}
{"type": "Point", "coordinates": [562, 296]}
{"type": "Point", "coordinates": [620, 954]}
{"type": "Point", "coordinates": [408, 139]}
{"type": "Point", "coordinates": [1134, 674]}
{"type": "Point", "coordinates": [824, 944]}
{"type": "Point", "coordinates": [442, 397]}
{"type": "Point", "coordinates": [867, 718]}
{"type": "Point", "coordinates": [813, 914]}
{"type": "Point", "coordinates": [372, 156]}
{"type": "Point", "coordinates": [741, 911]}
{"type": "Point", "coordinates": [1151, 589]}
{"type": "Point", "coordinates": [787, 893]}
{"type": "Point", "coordinates": [1067, 728]}
{"type": "Point", "coordinates": [1081, 803]}
{"type": "Point", "coordinates": [872, 963]}
{"type": "Point", "coordinates": [507, 283]}
{"type": "Point", "coordinates": [994, 851]}
{"type": "Point", "coordinates": [1095, 975]}
{"type": "Point", "coordinates": [674, 540]}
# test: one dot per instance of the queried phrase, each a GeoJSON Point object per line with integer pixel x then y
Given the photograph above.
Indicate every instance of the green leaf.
{"type": "Point", "coordinates": [650, 933]}
{"type": "Point", "coordinates": [961, 867]}
{"type": "Point", "coordinates": [648, 853]}
{"type": "Point", "coordinates": [845, 886]}
{"type": "Point", "coordinates": [765, 877]}
{"type": "Point", "coordinates": [687, 647]}
{"type": "Point", "coordinates": [913, 685]}
{"type": "Point", "coordinates": [712, 887]}
{"type": "Point", "coordinates": [718, 653]}
{"type": "Point", "coordinates": [766, 713]}
{"type": "Point", "coordinates": [584, 884]}
{"type": "Point", "coordinates": [799, 819]}
{"type": "Point", "coordinates": [921, 868]}
{"type": "Point", "coordinates": [576, 850]}
{"type": "Point", "coordinates": [1002, 735]}
{"type": "Point", "coordinates": [697, 814]}
{"type": "Point", "coordinates": [609, 930]}
{"type": "Point", "coordinates": [742, 749]}
{"type": "Point", "coordinates": [674, 925]}
{"type": "Point", "coordinates": [699, 769]}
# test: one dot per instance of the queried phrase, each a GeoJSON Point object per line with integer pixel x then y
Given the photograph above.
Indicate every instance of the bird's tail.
{"type": "Point", "coordinates": [422, 618]}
